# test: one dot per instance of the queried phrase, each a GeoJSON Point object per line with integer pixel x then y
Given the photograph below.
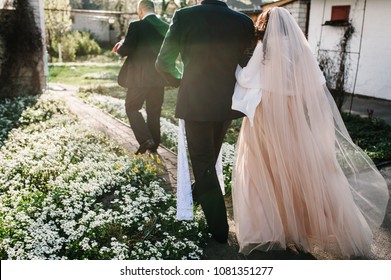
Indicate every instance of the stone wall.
{"type": "Point", "coordinates": [24, 71]}
{"type": "Point", "coordinates": [38, 6]}
{"type": "Point", "coordinates": [299, 10]}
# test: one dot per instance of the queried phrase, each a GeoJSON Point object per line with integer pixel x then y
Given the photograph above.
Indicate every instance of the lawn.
{"type": "Point", "coordinates": [89, 75]}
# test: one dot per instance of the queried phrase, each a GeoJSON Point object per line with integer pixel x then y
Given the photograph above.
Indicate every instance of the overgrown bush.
{"type": "Point", "coordinates": [68, 49]}
{"type": "Point", "coordinates": [75, 44]}
{"type": "Point", "coordinates": [86, 44]}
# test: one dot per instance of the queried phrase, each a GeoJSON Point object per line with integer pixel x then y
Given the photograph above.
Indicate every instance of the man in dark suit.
{"type": "Point", "coordinates": [211, 40]}
{"type": "Point", "coordinates": [141, 46]}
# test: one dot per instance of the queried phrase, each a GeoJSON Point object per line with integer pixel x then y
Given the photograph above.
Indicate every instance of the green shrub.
{"type": "Point", "coordinates": [371, 135]}
{"type": "Point", "coordinates": [69, 47]}
{"type": "Point", "coordinates": [85, 44]}
{"type": "Point", "coordinates": [75, 44]}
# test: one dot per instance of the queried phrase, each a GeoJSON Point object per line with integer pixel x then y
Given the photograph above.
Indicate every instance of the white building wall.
{"type": "Point", "coordinates": [369, 62]}
{"type": "Point", "coordinates": [374, 75]}
{"type": "Point", "coordinates": [97, 25]}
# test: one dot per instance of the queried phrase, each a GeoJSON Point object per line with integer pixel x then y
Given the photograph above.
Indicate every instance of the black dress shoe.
{"type": "Point", "coordinates": [220, 238]}
{"type": "Point", "coordinates": [154, 149]}
{"type": "Point", "coordinates": [146, 145]}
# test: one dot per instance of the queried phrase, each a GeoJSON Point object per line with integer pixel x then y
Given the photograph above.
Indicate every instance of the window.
{"type": "Point", "coordinates": [340, 13]}
{"type": "Point", "coordinates": [339, 16]}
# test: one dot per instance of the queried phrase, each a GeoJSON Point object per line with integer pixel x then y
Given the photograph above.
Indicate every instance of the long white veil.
{"type": "Point", "coordinates": [290, 69]}
{"type": "Point", "coordinates": [298, 176]}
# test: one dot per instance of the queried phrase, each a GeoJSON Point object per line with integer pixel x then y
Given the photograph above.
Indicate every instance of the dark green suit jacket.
{"type": "Point", "coordinates": [141, 46]}
{"type": "Point", "coordinates": [211, 39]}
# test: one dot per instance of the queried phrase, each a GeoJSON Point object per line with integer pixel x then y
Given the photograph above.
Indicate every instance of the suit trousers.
{"type": "Point", "coordinates": [153, 98]}
{"type": "Point", "coordinates": [204, 140]}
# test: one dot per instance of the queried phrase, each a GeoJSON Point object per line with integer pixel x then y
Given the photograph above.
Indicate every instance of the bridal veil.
{"type": "Point", "coordinates": [299, 178]}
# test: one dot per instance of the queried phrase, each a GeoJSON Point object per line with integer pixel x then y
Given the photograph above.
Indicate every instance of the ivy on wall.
{"type": "Point", "coordinates": [336, 68]}
{"type": "Point", "coordinates": [21, 50]}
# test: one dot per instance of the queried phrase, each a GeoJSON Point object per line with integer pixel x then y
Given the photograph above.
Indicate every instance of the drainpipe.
{"type": "Point", "coordinates": [359, 56]}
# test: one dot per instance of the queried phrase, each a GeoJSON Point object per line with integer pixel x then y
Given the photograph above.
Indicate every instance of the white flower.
{"type": "Point", "coordinates": [57, 182]}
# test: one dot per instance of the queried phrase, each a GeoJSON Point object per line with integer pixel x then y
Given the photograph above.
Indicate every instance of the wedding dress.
{"type": "Point", "coordinates": [298, 177]}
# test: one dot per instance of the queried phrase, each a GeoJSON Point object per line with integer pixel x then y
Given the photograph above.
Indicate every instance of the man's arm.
{"type": "Point", "coordinates": [252, 41]}
{"type": "Point", "coordinates": [130, 43]}
{"type": "Point", "coordinates": [169, 51]}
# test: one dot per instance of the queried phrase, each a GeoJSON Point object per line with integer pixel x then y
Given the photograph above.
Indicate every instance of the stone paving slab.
{"type": "Point", "coordinates": [123, 135]}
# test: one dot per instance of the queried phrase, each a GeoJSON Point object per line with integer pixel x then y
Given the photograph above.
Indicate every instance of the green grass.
{"type": "Point", "coordinates": [107, 56]}
{"type": "Point", "coordinates": [83, 75]}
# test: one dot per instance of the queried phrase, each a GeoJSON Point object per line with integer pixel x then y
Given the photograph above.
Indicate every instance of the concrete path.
{"type": "Point", "coordinates": [361, 105]}
{"type": "Point", "coordinates": [122, 133]}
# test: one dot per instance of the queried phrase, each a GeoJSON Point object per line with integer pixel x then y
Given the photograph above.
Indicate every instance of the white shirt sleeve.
{"type": "Point", "coordinates": [248, 94]}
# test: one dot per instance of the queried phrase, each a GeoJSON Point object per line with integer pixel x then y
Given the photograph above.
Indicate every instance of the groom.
{"type": "Point", "coordinates": [210, 39]}
{"type": "Point", "coordinates": [138, 74]}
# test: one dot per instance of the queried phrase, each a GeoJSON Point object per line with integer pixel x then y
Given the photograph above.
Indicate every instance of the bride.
{"type": "Point", "coordinates": [298, 178]}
